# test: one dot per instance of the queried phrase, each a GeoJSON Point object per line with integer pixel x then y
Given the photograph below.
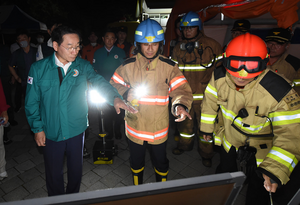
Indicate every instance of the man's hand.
{"type": "Point", "coordinates": [40, 138]}
{"type": "Point", "coordinates": [5, 115]}
{"type": "Point", "coordinates": [268, 185]}
{"type": "Point", "coordinates": [118, 103]}
{"type": "Point", "coordinates": [181, 113]}
{"type": "Point", "coordinates": [207, 137]}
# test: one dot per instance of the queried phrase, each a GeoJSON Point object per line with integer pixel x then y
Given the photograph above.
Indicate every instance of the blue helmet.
{"type": "Point", "coordinates": [191, 19]}
{"type": "Point", "coordinates": [149, 31]}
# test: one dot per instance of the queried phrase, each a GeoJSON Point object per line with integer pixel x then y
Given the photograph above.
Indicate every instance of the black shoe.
{"type": "Point", "coordinates": [86, 154]}
{"type": "Point", "coordinates": [8, 141]}
{"type": "Point", "coordinates": [13, 122]}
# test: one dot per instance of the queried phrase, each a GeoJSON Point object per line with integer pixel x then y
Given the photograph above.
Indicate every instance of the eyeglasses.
{"type": "Point", "coordinates": [276, 45]}
{"type": "Point", "coordinates": [70, 49]}
{"type": "Point", "coordinates": [250, 64]}
{"type": "Point", "coordinates": [185, 28]}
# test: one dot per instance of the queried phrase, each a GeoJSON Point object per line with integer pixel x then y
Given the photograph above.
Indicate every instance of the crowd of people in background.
{"type": "Point", "coordinates": [242, 97]}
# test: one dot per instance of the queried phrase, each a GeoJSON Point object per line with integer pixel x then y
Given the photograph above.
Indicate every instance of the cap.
{"type": "Point", "coordinates": [241, 25]}
{"type": "Point", "coordinates": [123, 29]}
{"type": "Point", "coordinates": [279, 35]}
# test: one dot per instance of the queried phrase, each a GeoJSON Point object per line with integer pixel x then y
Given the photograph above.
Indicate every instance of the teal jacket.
{"type": "Point", "coordinates": [61, 110]}
{"type": "Point", "coordinates": [105, 63]}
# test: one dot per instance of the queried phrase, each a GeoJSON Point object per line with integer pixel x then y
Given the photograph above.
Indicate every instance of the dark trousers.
{"type": "Point", "coordinates": [256, 193]}
{"type": "Point", "coordinates": [19, 95]}
{"type": "Point", "coordinates": [157, 152]}
{"type": "Point", "coordinates": [54, 155]}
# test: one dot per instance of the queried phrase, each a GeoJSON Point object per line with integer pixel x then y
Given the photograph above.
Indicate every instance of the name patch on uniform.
{"type": "Point", "coordinates": [292, 100]}
{"type": "Point", "coordinates": [30, 80]}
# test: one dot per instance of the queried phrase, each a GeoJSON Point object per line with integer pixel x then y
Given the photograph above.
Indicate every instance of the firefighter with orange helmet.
{"type": "Point", "coordinates": [254, 115]}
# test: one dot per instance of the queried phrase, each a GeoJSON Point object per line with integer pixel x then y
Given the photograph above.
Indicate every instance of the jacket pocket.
{"type": "Point", "coordinates": [45, 85]}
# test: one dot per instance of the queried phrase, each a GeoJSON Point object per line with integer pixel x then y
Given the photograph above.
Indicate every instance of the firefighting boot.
{"type": "Point", "coordinates": [205, 149]}
{"type": "Point", "coordinates": [186, 143]}
{"type": "Point", "coordinates": [137, 176]}
{"type": "Point", "coordinates": [161, 176]}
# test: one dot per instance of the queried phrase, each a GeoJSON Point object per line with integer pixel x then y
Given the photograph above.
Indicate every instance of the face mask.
{"type": "Point", "coordinates": [23, 44]}
{"type": "Point", "coordinates": [93, 44]}
{"type": "Point", "coordinates": [40, 40]}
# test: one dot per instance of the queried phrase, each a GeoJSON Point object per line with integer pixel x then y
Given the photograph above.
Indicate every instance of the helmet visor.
{"type": "Point", "coordinates": [249, 64]}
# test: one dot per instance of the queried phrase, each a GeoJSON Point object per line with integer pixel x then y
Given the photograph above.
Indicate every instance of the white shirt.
{"type": "Point", "coordinates": [59, 64]}
{"type": "Point", "coordinates": [109, 49]}
{"type": "Point", "coordinates": [39, 53]}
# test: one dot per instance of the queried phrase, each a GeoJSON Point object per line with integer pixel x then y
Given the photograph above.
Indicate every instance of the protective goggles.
{"type": "Point", "coordinates": [249, 64]}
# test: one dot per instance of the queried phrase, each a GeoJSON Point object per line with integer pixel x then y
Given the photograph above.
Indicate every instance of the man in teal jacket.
{"type": "Point", "coordinates": [56, 108]}
{"type": "Point", "coordinates": [106, 60]}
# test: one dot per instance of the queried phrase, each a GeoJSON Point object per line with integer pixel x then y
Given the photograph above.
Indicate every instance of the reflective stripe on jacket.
{"type": "Point", "coordinates": [162, 78]}
{"type": "Point", "coordinates": [198, 72]}
{"type": "Point", "coordinates": [272, 107]}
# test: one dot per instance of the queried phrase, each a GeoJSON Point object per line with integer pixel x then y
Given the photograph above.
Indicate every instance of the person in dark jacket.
{"type": "Point", "coordinates": [121, 40]}
{"type": "Point", "coordinates": [20, 63]}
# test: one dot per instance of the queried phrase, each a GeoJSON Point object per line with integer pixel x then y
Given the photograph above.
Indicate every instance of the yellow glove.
{"type": "Point", "coordinates": [134, 102]}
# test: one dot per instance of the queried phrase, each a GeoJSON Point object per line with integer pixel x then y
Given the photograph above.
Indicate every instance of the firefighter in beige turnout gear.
{"type": "Point", "coordinates": [160, 78]}
{"type": "Point", "coordinates": [196, 56]}
{"type": "Point", "coordinates": [278, 41]}
{"type": "Point", "coordinates": [248, 107]}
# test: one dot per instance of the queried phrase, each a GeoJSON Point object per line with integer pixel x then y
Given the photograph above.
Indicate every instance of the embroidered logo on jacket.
{"type": "Point", "coordinates": [76, 73]}
{"type": "Point", "coordinates": [292, 100]}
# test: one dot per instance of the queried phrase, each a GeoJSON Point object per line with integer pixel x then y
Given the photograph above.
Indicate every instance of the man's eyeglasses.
{"type": "Point", "coordinates": [188, 28]}
{"type": "Point", "coordinates": [77, 48]}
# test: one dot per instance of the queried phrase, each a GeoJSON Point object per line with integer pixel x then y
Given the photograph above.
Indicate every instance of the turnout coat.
{"type": "Point", "coordinates": [163, 79]}
{"type": "Point", "coordinates": [272, 125]}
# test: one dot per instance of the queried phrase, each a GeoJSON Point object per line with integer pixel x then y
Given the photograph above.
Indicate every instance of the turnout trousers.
{"type": "Point", "coordinates": [158, 156]}
{"type": "Point", "coordinates": [187, 134]}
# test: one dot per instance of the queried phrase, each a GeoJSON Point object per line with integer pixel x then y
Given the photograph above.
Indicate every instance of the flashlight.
{"type": "Point", "coordinates": [140, 91]}
{"type": "Point", "coordinates": [95, 97]}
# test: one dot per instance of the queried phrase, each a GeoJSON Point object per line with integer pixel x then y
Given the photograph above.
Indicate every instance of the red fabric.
{"type": "Point", "coordinates": [284, 11]}
{"type": "Point", "coordinates": [3, 105]}
{"type": "Point", "coordinates": [121, 46]}
{"type": "Point", "coordinates": [88, 52]}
